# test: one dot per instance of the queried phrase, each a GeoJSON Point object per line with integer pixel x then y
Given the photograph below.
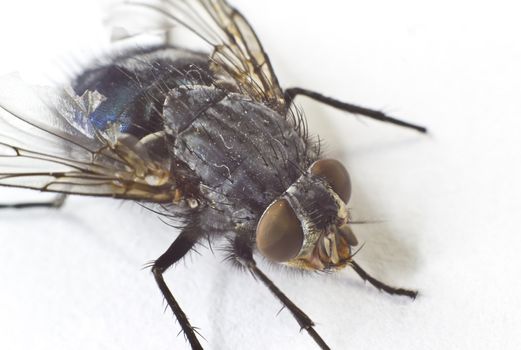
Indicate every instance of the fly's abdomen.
{"type": "Point", "coordinates": [135, 84]}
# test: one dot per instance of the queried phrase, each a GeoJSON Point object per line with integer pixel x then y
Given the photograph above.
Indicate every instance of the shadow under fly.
{"type": "Point", "coordinates": [207, 139]}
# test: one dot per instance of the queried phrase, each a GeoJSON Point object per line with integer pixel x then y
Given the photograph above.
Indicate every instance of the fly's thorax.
{"type": "Point", "coordinates": [243, 152]}
{"type": "Point", "coordinates": [308, 226]}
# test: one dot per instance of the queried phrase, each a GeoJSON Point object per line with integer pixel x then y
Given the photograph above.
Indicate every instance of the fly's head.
{"type": "Point", "coordinates": [308, 226]}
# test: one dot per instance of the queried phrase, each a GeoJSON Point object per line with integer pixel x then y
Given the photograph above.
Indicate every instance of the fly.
{"type": "Point", "coordinates": [208, 139]}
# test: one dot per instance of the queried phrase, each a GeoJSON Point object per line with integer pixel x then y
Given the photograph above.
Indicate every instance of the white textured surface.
{"type": "Point", "coordinates": [71, 279]}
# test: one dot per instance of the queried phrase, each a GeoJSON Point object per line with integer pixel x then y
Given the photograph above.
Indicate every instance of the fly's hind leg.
{"type": "Point", "coordinates": [181, 246]}
{"type": "Point", "coordinates": [242, 254]}
{"type": "Point", "coordinates": [382, 286]}
{"type": "Point", "coordinates": [56, 203]}
{"type": "Point", "coordinates": [290, 95]}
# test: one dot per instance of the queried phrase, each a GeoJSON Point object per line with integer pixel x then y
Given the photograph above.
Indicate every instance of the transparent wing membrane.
{"type": "Point", "coordinates": [47, 144]}
{"type": "Point", "coordinates": [238, 58]}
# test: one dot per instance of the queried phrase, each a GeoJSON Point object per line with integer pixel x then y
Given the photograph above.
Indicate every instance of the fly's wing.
{"type": "Point", "coordinates": [238, 58]}
{"type": "Point", "coordinates": [47, 143]}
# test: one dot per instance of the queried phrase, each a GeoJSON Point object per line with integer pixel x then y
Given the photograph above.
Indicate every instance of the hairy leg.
{"type": "Point", "coordinates": [382, 286]}
{"type": "Point", "coordinates": [181, 246]}
{"type": "Point", "coordinates": [243, 255]}
{"type": "Point", "coordinates": [290, 95]}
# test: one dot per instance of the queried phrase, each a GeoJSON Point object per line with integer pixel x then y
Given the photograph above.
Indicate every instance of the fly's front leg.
{"type": "Point", "coordinates": [181, 246]}
{"type": "Point", "coordinates": [290, 95]}
{"type": "Point", "coordinates": [55, 203]}
{"type": "Point", "coordinates": [243, 255]}
{"type": "Point", "coordinates": [382, 286]}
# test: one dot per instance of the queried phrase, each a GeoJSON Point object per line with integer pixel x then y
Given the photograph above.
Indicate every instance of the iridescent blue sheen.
{"type": "Point", "coordinates": [131, 88]}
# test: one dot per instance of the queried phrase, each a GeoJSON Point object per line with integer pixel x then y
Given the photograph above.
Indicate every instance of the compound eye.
{"type": "Point", "coordinates": [279, 232]}
{"type": "Point", "coordinates": [336, 176]}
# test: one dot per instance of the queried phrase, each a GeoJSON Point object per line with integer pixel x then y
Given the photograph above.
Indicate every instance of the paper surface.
{"type": "Point", "coordinates": [449, 202]}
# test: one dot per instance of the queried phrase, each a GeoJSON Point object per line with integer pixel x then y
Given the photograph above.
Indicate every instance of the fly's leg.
{"type": "Point", "coordinates": [55, 203]}
{"type": "Point", "coordinates": [382, 286]}
{"type": "Point", "coordinates": [290, 95]}
{"type": "Point", "coordinates": [303, 320]}
{"type": "Point", "coordinates": [181, 246]}
{"type": "Point", "coordinates": [243, 255]}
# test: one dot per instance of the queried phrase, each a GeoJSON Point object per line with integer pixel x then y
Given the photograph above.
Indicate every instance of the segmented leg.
{"type": "Point", "coordinates": [290, 95]}
{"type": "Point", "coordinates": [382, 286]}
{"type": "Point", "coordinates": [243, 256]}
{"type": "Point", "coordinates": [181, 246]}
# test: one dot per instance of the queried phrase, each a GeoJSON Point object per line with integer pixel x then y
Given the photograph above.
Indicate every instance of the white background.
{"type": "Point", "coordinates": [450, 201]}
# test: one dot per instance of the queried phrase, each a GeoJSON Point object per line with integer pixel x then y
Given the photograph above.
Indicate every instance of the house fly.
{"type": "Point", "coordinates": [208, 139]}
